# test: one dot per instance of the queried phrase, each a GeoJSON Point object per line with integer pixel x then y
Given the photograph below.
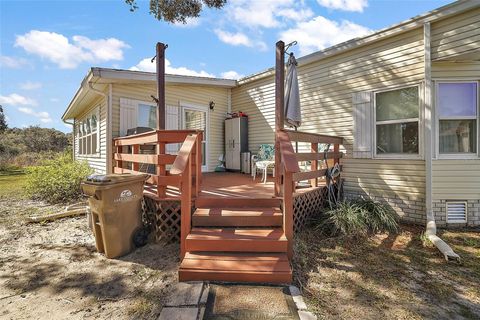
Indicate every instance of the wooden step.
{"type": "Point", "coordinates": [238, 240]}
{"type": "Point", "coordinates": [236, 267]}
{"type": "Point", "coordinates": [237, 217]}
{"type": "Point", "coordinates": [226, 202]}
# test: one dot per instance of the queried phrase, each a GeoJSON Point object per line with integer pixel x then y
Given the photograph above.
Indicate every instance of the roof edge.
{"type": "Point", "coordinates": [398, 28]}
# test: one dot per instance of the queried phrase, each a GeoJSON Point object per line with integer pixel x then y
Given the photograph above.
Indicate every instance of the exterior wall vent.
{"type": "Point", "coordinates": [456, 211]}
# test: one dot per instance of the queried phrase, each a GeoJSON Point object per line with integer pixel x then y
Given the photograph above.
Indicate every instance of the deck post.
{"type": "Point", "coordinates": [186, 206]}
{"type": "Point", "coordinates": [160, 60]}
{"type": "Point", "coordinates": [279, 107]}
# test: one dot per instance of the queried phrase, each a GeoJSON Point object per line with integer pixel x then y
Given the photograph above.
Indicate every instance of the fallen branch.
{"type": "Point", "coordinates": [72, 210]}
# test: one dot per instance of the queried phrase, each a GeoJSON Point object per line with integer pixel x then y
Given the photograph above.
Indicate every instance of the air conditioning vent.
{"type": "Point", "coordinates": [456, 211]}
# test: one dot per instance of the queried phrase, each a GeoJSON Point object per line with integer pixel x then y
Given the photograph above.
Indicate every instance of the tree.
{"type": "Point", "coordinates": [3, 122]}
{"type": "Point", "coordinates": [175, 11]}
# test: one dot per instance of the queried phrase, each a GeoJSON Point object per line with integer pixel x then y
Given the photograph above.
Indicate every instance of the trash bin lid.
{"type": "Point", "coordinates": [114, 178]}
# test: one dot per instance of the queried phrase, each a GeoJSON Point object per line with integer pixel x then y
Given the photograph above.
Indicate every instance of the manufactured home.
{"type": "Point", "coordinates": [400, 108]}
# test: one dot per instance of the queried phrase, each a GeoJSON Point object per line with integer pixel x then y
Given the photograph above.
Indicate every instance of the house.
{"type": "Point", "coordinates": [403, 102]}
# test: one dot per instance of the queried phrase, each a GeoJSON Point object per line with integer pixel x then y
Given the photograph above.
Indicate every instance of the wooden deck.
{"type": "Point", "coordinates": [232, 185]}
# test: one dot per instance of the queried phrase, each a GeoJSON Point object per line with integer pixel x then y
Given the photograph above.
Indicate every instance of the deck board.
{"type": "Point", "coordinates": [230, 185]}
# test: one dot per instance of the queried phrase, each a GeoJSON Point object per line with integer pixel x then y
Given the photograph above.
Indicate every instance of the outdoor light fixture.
{"type": "Point", "coordinates": [212, 105]}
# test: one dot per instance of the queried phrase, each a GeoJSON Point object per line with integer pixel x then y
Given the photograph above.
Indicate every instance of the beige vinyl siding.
{"type": "Point", "coordinates": [456, 70]}
{"type": "Point", "coordinates": [456, 35]}
{"type": "Point", "coordinates": [175, 95]}
{"type": "Point", "coordinates": [97, 162]}
{"type": "Point", "coordinates": [456, 179]}
{"type": "Point", "coordinates": [326, 88]}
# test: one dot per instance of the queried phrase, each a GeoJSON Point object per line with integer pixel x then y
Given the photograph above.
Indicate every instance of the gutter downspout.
{"type": "Point", "coordinates": [431, 229]}
{"type": "Point", "coordinates": [73, 135]}
{"type": "Point", "coordinates": [108, 133]}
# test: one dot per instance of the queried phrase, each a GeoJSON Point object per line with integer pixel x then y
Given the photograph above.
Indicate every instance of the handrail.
{"type": "Point", "coordinates": [183, 156]}
{"type": "Point", "coordinates": [291, 173]}
{"type": "Point", "coordinates": [287, 153]}
{"type": "Point", "coordinates": [301, 136]}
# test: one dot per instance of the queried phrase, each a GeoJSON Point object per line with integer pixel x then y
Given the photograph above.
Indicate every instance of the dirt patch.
{"type": "Point", "coordinates": [389, 276]}
{"type": "Point", "coordinates": [52, 270]}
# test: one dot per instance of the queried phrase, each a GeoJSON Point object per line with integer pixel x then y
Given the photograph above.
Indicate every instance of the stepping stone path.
{"type": "Point", "coordinates": [201, 300]}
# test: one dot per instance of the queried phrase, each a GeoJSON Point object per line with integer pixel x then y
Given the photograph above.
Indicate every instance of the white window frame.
{"type": "Point", "coordinates": [463, 155]}
{"type": "Point", "coordinates": [420, 118]}
{"type": "Point", "coordinates": [188, 106]}
{"type": "Point", "coordinates": [95, 111]}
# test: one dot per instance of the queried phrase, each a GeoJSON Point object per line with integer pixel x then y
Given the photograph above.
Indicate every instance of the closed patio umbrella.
{"type": "Point", "coordinates": [293, 115]}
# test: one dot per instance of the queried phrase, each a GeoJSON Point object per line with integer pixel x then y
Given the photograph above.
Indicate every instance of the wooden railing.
{"type": "Point", "coordinates": [182, 167]}
{"type": "Point", "coordinates": [133, 153]}
{"type": "Point", "coordinates": [291, 173]}
{"type": "Point", "coordinates": [185, 168]}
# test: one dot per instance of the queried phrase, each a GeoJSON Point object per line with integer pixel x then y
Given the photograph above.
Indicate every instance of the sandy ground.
{"type": "Point", "coordinates": [389, 276]}
{"type": "Point", "coordinates": [52, 271]}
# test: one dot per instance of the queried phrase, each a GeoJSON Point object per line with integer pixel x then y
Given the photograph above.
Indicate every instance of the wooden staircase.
{"type": "Point", "coordinates": [236, 240]}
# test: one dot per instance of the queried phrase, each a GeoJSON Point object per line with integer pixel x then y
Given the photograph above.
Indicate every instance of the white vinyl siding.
{"type": "Point", "coordinates": [198, 95]}
{"type": "Point", "coordinates": [326, 88]}
{"type": "Point", "coordinates": [457, 37]}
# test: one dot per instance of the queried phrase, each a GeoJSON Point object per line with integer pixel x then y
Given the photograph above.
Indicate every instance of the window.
{"type": "Point", "coordinates": [397, 121]}
{"type": "Point", "coordinates": [87, 131]}
{"type": "Point", "coordinates": [457, 105]}
{"type": "Point", "coordinates": [147, 116]}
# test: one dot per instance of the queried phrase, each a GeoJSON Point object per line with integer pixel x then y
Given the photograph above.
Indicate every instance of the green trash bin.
{"type": "Point", "coordinates": [116, 210]}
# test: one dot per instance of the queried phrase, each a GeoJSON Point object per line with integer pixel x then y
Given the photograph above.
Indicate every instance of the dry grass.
{"type": "Point", "coordinates": [389, 276]}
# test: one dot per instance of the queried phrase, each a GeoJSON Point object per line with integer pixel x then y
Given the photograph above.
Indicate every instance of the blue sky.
{"type": "Point", "coordinates": [46, 47]}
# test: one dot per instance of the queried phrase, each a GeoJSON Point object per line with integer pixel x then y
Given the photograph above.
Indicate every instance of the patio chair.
{"type": "Point", "coordinates": [264, 160]}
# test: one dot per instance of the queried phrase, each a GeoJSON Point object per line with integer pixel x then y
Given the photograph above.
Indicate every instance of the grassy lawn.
{"type": "Point", "coordinates": [389, 276]}
{"type": "Point", "coordinates": [12, 183]}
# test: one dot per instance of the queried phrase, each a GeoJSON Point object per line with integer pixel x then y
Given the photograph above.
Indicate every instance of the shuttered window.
{"type": "Point", "coordinates": [362, 122]}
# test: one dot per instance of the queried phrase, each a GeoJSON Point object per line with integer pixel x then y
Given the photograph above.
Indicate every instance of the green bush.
{"type": "Point", "coordinates": [380, 217]}
{"type": "Point", "coordinates": [358, 218]}
{"type": "Point", "coordinates": [57, 180]}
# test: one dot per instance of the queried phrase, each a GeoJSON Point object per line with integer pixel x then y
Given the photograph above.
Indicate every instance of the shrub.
{"type": "Point", "coordinates": [380, 217]}
{"type": "Point", "coordinates": [57, 180]}
{"type": "Point", "coordinates": [358, 218]}
{"type": "Point", "coordinates": [347, 218]}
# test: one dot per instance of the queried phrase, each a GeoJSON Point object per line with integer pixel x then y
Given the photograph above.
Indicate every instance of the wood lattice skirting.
{"type": "Point", "coordinates": [163, 217]}
{"type": "Point", "coordinates": [306, 205]}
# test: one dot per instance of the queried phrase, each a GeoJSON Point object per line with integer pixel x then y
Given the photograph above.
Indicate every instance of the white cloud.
{"type": "Point", "coordinates": [257, 13]}
{"type": "Point", "coordinates": [239, 39]}
{"type": "Point", "coordinates": [30, 85]}
{"type": "Point", "coordinates": [190, 23]}
{"type": "Point", "coordinates": [54, 99]}
{"type": "Point", "coordinates": [231, 75]}
{"type": "Point", "coordinates": [147, 65]}
{"type": "Point", "coordinates": [13, 62]}
{"type": "Point", "coordinates": [235, 39]}
{"type": "Point", "coordinates": [15, 99]}
{"type": "Point", "coordinates": [296, 15]}
{"type": "Point", "coordinates": [43, 116]}
{"type": "Point", "coordinates": [67, 55]}
{"type": "Point", "coordinates": [321, 32]}
{"type": "Point", "coordinates": [346, 5]}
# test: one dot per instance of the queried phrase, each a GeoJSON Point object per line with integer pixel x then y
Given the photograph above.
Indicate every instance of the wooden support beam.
{"type": "Point", "coordinates": [160, 60]}
{"type": "Point", "coordinates": [279, 107]}
{"type": "Point", "coordinates": [314, 167]}
{"type": "Point", "coordinates": [135, 152]}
